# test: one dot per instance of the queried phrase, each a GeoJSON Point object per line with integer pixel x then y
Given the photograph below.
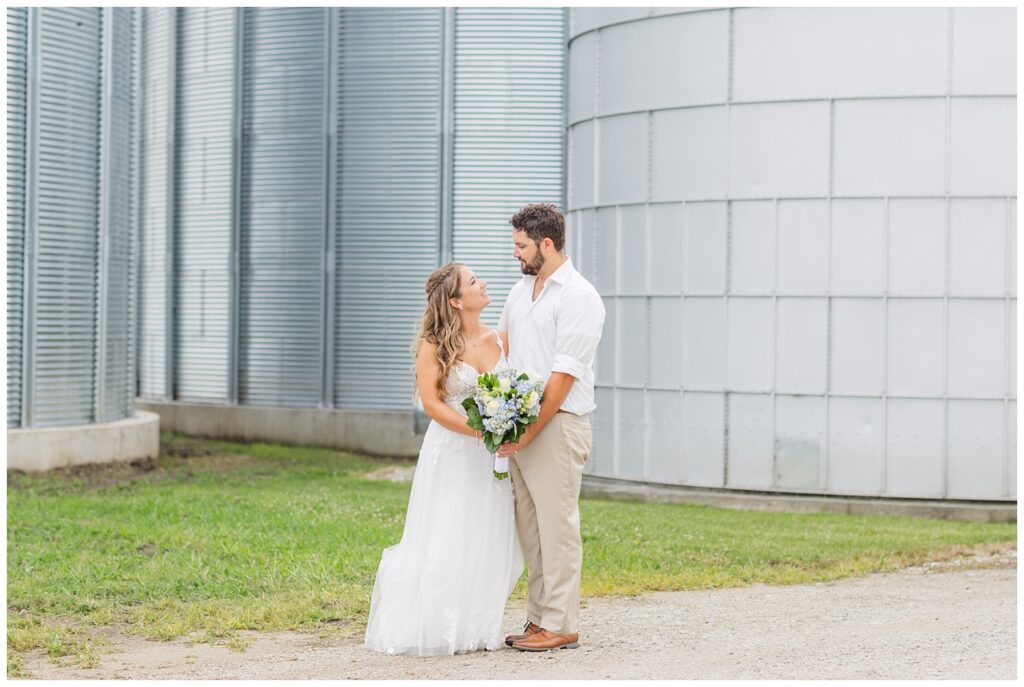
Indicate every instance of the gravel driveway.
{"type": "Point", "coordinates": [934, 621]}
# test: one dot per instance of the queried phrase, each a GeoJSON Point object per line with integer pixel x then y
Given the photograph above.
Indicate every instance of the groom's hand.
{"type": "Point", "coordinates": [507, 450]}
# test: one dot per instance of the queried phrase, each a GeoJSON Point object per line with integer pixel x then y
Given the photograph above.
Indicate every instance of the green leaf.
{"type": "Point", "coordinates": [473, 418]}
{"type": "Point", "coordinates": [491, 442]}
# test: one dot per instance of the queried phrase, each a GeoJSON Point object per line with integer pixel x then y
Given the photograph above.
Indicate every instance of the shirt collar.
{"type": "Point", "coordinates": [561, 275]}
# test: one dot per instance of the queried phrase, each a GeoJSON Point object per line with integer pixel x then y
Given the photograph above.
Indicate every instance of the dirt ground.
{"type": "Point", "coordinates": [939, 620]}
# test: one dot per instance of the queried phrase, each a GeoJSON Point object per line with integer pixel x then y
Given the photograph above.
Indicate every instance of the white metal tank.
{"type": "Point", "coordinates": [802, 222]}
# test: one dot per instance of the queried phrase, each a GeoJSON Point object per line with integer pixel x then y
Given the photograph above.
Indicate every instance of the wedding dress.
{"type": "Point", "coordinates": [443, 588]}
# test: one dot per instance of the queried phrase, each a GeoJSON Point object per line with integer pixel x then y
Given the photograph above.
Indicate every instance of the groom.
{"type": "Point", "coordinates": [553, 317]}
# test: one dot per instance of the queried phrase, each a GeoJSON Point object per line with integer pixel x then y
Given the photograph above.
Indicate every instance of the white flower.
{"type": "Point", "coordinates": [530, 399]}
{"type": "Point", "coordinates": [534, 377]}
{"type": "Point", "coordinates": [504, 385]}
{"type": "Point", "coordinates": [491, 407]}
{"type": "Point", "coordinates": [486, 398]}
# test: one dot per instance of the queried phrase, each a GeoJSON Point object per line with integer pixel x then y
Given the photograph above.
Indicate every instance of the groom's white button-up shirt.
{"type": "Point", "coordinates": [557, 332]}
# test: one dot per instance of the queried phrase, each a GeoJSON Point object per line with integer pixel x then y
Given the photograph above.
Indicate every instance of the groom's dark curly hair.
{"type": "Point", "coordinates": [541, 221]}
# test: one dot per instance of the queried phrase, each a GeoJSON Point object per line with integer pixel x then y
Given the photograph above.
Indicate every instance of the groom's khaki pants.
{"type": "Point", "coordinates": [546, 478]}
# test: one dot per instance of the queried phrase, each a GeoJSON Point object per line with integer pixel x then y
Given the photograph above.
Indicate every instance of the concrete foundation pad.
{"type": "Point", "coordinates": [975, 511]}
{"type": "Point", "coordinates": [378, 433]}
{"type": "Point", "coordinates": [35, 449]}
{"type": "Point", "coordinates": [399, 434]}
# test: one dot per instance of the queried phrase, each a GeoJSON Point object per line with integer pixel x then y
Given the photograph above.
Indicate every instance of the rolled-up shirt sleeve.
{"type": "Point", "coordinates": [577, 333]}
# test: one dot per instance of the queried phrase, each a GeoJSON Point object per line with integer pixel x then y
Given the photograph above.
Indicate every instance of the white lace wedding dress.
{"type": "Point", "coordinates": [442, 589]}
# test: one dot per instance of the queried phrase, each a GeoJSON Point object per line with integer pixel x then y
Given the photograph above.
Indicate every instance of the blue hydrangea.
{"type": "Point", "coordinates": [511, 409]}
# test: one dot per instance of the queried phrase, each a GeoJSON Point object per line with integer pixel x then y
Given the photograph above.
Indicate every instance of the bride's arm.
{"type": "Point", "coordinates": [427, 371]}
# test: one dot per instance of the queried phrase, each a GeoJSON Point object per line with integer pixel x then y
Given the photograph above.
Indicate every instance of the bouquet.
{"type": "Point", "coordinates": [501, 406]}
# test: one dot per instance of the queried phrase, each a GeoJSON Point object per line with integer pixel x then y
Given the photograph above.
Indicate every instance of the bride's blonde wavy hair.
{"type": "Point", "coordinates": [441, 324]}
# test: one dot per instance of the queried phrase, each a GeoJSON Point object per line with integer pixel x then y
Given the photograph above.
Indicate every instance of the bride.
{"type": "Point", "coordinates": [442, 588]}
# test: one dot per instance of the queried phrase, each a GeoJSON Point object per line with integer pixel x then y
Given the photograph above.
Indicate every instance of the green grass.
{"type": "Point", "coordinates": [216, 537]}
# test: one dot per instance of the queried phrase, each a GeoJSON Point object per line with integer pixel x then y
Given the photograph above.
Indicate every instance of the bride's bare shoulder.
{"type": "Point", "coordinates": [427, 366]}
{"type": "Point", "coordinates": [426, 352]}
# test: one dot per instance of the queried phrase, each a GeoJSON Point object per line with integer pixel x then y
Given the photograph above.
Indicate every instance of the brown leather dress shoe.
{"type": "Point", "coordinates": [546, 641]}
{"type": "Point", "coordinates": [528, 629]}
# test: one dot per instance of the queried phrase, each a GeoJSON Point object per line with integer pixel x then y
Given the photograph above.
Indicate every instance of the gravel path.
{"type": "Point", "coordinates": [932, 621]}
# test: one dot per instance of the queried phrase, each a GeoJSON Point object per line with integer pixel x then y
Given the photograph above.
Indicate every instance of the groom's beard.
{"type": "Point", "coordinates": [532, 267]}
